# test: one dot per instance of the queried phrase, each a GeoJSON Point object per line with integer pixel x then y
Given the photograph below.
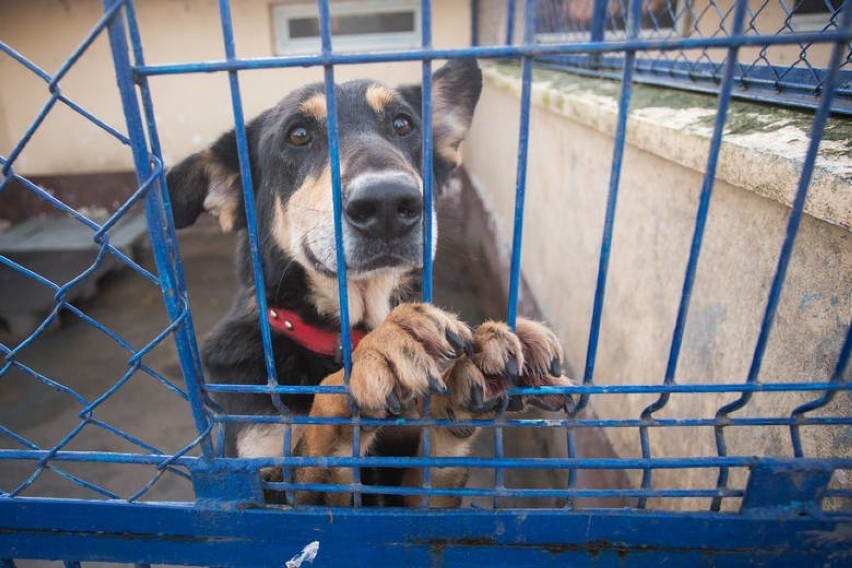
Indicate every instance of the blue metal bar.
{"type": "Point", "coordinates": [510, 21]}
{"type": "Point", "coordinates": [709, 462]}
{"type": "Point", "coordinates": [551, 422]}
{"type": "Point", "coordinates": [193, 359]}
{"type": "Point", "coordinates": [740, 9]}
{"type": "Point", "coordinates": [507, 492]}
{"type": "Point", "coordinates": [427, 169]}
{"type": "Point", "coordinates": [474, 23]}
{"type": "Point", "coordinates": [521, 176]}
{"type": "Point", "coordinates": [248, 200]}
{"type": "Point", "coordinates": [612, 200]}
{"type": "Point", "coordinates": [609, 221]}
{"type": "Point", "coordinates": [588, 389]}
{"type": "Point", "coordinates": [427, 166]}
{"type": "Point", "coordinates": [495, 52]}
{"type": "Point", "coordinates": [174, 289]}
{"type": "Point", "coordinates": [793, 222]}
{"type": "Point", "coordinates": [337, 203]}
{"type": "Point", "coordinates": [597, 26]}
{"type": "Point", "coordinates": [165, 534]}
{"type": "Point", "coordinates": [837, 377]}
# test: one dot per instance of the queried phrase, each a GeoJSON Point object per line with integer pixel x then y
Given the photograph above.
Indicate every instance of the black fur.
{"type": "Point", "coordinates": [233, 352]}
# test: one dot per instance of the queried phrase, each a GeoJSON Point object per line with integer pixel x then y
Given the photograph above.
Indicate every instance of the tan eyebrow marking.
{"type": "Point", "coordinates": [314, 106]}
{"type": "Point", "coordinates": [379, 96]}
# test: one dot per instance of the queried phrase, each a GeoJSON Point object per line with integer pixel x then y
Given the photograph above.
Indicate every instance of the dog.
{"type": "Point", "coordinates": [404, 349]}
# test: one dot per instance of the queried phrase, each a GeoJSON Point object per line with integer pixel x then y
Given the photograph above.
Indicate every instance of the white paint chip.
{"type": "Point", "coordinates": [307, 555]}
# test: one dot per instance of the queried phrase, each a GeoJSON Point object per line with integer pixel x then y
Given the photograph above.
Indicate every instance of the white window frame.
{"type": "Point", "coordinates": [680, 26]}
{"type": "Point", "coordinates": [285, 45]}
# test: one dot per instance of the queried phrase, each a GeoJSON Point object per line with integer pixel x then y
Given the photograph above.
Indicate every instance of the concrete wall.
{"type": "Point", "coordinates": [570, 152]}
{"type": "Point", "coordinates": [191, 109]}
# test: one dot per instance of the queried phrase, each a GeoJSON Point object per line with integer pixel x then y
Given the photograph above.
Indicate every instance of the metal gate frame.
{"type": "Point", "coordinates": [780, 522]}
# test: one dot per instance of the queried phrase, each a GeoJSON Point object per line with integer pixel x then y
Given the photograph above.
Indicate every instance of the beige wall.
{"type": "Point", "coordinates": [191, 110]}
{"type": "Point", "coordinates": [567, 184]}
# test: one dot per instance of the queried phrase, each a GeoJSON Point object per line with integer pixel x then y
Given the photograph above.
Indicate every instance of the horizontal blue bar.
{"type": "Point", "coordinates": [505, 491]}
{"type": "Point", "coordinates": [545, 423]}
{"type": "Point", "coordinates": [169, 534]}
{"type": "Point", "coordinates": [578, 389]}
{"type": "Point", "coordinates": [492, 52]}
{"type": "Point", "coordinates": [407, 462]}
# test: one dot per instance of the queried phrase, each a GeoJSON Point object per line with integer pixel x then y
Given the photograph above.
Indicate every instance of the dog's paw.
{"type": "Point", "coordinates": [531, 356]}
{"type": "Point", "coordinates": [403, 358]}
{"type": "Point", "coordinates": [543, 356]}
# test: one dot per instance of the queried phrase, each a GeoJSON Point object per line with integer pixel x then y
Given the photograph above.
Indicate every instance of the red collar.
{"type": "Point", "coordinates": [318, 340]}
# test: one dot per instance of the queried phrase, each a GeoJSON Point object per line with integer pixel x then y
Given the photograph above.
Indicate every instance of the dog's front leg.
{"type": "Point", "coordinates": [392, 368]}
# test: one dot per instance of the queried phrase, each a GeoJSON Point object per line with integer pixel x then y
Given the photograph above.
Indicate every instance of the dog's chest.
{"type": "Point", "coordinates": [369, 300]}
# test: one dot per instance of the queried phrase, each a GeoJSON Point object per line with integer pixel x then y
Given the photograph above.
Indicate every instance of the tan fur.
{"type": "Point", "coordinates": [400, 355]}
{"type": "Point", "coordinates": [264, 440]}
{"type": "Point", "coordinates": [369, 299]}
{"type": "Point", "coordinates": [379, 97]}
{"type": "Point", "coordinates": [314, 107]}
{"type": "Point", "coordinates": [223, 193]}
{"type": "Point", "coordinates": [449, 128]}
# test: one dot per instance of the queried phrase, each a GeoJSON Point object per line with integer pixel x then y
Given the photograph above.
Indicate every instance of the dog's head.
{"type": "Point", "coordinates": [380, 156]}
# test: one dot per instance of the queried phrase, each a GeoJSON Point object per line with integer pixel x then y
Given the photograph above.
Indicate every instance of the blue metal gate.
{"type": "Point", "coordinates": [782, 519]}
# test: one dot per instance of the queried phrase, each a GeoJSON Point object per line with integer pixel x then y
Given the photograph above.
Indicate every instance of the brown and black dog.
{"type": "Point", "coordinates": [407, 349]}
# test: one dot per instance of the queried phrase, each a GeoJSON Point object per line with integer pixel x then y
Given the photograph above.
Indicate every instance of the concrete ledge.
{"type": "Point", "coordinates": [762, 150]}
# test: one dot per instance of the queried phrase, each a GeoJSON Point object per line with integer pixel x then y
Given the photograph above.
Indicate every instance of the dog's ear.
{"type": "Point", "coordinates": [209, 181]}
{"type": "Point", "coordinates": [455, 91]}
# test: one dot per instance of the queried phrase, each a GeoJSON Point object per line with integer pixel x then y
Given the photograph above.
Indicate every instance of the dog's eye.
{"type": "Point", "coordinates": [402, 124]}
{"type": "Point", "coordinates": [298, 135]}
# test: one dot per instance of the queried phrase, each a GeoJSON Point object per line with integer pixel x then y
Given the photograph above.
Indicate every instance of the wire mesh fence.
{"type": "Point", "coordinates": [735, 49]}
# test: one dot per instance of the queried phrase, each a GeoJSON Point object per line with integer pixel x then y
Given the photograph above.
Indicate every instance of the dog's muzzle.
{"type": "Point", "coordinates": [384, 206]}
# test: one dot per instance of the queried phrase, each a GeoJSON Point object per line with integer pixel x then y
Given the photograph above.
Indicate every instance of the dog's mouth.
{"type": "Point", "coordinates": [364, 258]}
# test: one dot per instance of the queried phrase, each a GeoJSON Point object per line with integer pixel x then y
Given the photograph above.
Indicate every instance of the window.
{"type": "Point", "coordinates": [813, 15]}
{"type": "Point", "coordinates": [565, 20]}
{"type": "Point", "coordinates": [355, 25]}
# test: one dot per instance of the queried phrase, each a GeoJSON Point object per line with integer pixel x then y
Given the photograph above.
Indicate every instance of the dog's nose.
{"type": "Point", "coordinates": [384, 209]}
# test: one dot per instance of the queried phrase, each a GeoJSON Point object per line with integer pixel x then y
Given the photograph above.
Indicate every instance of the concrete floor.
{"type": "Point", "coordinates": [84, 359]}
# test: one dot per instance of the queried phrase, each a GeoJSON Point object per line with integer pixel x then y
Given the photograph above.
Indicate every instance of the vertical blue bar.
{"type": "Point", "coordinates": [837, 377]}
{"type": "Point", "coordinates": [474, 23]}
{"type": "Point", "coordinates": [597, 27]}
{"type": "Point", "coordinates": [194, 361]}
{"type": "Point", "coordinates": [797, 209]}
{"type": "Point", "coordinates": [609, 222]}
{"type": "Point", "coordinates": [164, 251]}
{"type": "Point", "coordinates": [248, 198]}
{"type": "Point", "coordinates": [521, 178]}
{"type": "Point", "coordinates": [426, 164]}
{"type": "Point", "coordinates": [337, 202]}
{"type": "Point", "coordinates": [703, 210]}
{"type": "Point", "coordinates": [510, 21]}
{"type": "Point", "coordinates": [427, 170]}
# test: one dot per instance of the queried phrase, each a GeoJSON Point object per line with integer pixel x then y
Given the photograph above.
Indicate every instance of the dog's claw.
{"type": "Point", "coordinates": [512, 373]}
{"type": "Point", "coordinates": [516, 403]}
{"type": "Point", "coordinates": [394, 406]}
{"type": "Point", "coordinates": [476, 394]}
{"type": "Point", "coordinates": [456, 341]}
{"type": "Point", "coordinates": [555, 368]}
{"type": "Point", "coordinates": [570, 406]}
{"type": "Point", "coordinates": [436, 386]}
